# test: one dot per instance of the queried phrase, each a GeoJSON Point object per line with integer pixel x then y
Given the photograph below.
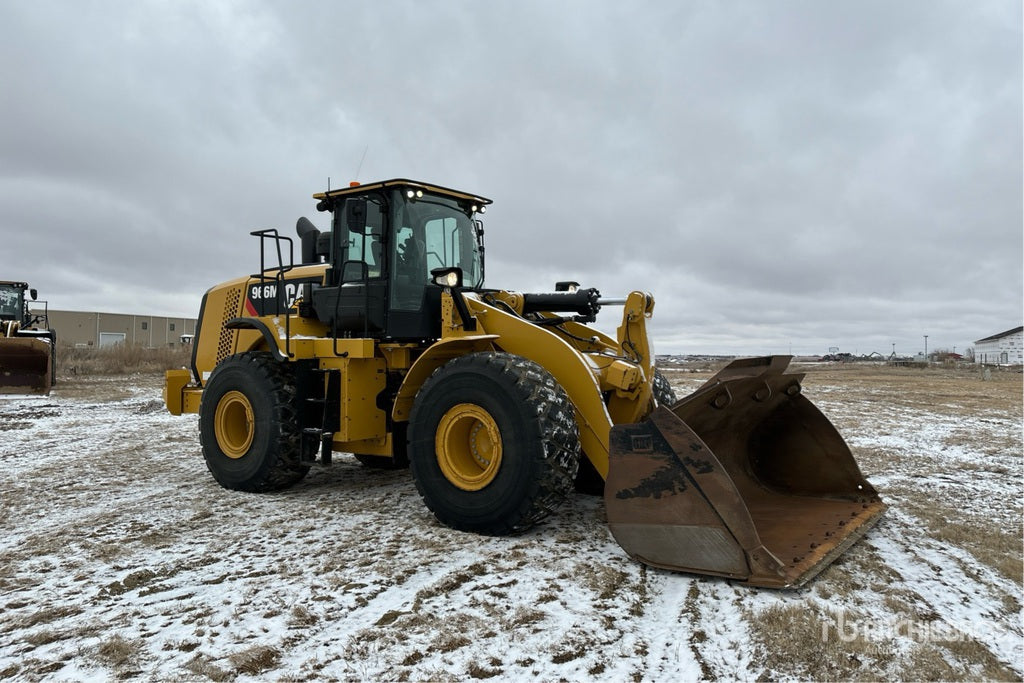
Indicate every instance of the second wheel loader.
{"type": "Point", "coordinates": [28, 348]}
{"type": "Point", "coordinates": [384, 342]}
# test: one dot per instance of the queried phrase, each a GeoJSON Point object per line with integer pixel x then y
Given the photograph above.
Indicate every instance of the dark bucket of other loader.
{"type": "Point", "coordinates": [25, 365]}
{"type": "Point", "coordinates": [744, 479]}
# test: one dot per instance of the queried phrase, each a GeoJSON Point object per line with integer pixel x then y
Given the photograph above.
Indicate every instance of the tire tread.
{"type": "Point", "coordinates": [287, 468]}
{"type": "Point", "coordinates": [555, 418]}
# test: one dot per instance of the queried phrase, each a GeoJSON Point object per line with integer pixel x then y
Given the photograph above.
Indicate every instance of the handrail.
{"type": "Point", "coordinates": [281, 269]}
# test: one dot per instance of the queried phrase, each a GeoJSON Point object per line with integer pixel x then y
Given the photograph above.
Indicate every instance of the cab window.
{"type": "Point", "coordinates": [362, 255]}
{"type": "Point", "coordinates": [442, 243]}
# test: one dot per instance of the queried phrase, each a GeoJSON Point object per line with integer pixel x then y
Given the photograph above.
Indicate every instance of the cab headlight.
{"type": "Point", "coordinates": [447, 277]}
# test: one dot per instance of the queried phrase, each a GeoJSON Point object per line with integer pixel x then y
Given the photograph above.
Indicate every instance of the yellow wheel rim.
{"type": "Point", "coordinates": [233, 424]}
{"type": "Point", "coordinates": [468, 447]}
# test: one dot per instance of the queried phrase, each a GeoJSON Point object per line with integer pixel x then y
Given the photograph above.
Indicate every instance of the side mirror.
{"type": "Point", "coordinates": [33, 293]}
{"type": "Point", "coordinates": [355, 214]}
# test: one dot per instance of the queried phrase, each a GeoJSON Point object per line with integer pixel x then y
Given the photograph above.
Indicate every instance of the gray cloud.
{"type": "Point", "coordinates": [781, 175]}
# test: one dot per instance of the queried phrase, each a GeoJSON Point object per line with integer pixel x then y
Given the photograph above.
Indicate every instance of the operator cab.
{"type": "Point", "coordinates": [12, 300]}
{"type": "Point", "coordinates": [386, 240]}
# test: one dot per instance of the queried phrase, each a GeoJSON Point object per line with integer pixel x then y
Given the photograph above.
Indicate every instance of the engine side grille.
{"type": "Point", "coordinates": [227, 336]}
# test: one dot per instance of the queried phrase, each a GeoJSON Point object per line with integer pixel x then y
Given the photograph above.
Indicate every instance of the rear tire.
{"type": "Point", "coordinates": [493, 443]}
{"type": "Point", "coordinates": [248, 425]}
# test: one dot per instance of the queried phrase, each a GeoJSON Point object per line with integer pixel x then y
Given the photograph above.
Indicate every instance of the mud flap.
{"type": "Point", "coordinates": [25, 366]}
{"type": "Point", "coordinates": [745, 479]}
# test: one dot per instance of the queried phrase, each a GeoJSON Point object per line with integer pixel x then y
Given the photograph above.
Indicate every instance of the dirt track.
{"type": "Point", "coordinates": [120, 556]}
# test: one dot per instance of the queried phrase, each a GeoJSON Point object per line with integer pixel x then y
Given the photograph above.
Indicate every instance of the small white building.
{"type": "Point", "coordinates": [1005, 348]}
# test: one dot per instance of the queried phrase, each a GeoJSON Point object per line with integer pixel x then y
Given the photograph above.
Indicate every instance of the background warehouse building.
{"type": "Point", "coordinates": [107, 329]}
{"type": "Point", "coordinates": [1005, 348]}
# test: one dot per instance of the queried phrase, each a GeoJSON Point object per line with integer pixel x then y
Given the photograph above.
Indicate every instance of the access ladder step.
{"type": "Point", "coordinates": [325, 438]}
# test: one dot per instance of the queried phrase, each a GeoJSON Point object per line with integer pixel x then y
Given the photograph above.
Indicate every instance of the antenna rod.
{"type": "Point", "coordinates": [361, 160]}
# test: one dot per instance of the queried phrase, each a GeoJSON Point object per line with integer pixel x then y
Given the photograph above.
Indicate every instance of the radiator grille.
{"type": "Point", "coordinates": [226, 335]}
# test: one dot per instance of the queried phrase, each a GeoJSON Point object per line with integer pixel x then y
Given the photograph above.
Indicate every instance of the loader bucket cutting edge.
{"type": "Point", "coordinates": [24, 366]}
{"type": "Point", "coordinates": [745, 479]}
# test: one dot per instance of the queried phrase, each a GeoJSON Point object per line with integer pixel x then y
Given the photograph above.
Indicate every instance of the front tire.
{"type": "Point", "coordinates": [493, 443]}
{"type": "Point", "coordinates": [248, 425]}
{"type": "Point", "coordinates": [663, 391]}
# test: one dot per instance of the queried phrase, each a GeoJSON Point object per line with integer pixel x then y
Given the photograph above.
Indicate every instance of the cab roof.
{"type": "Point", "coordinates": [402, 182]}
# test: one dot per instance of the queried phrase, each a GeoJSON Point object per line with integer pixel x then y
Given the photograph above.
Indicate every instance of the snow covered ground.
{"type": "Point", "coordinates": [121, 557]}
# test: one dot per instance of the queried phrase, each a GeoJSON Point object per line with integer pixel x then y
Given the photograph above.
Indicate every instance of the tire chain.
{"type": "Point", "coordinates": [663, 391]}
{"type": "Point", "coordinates": [560, 433]}
{"type": "Point", "coordinates": [287, 470]}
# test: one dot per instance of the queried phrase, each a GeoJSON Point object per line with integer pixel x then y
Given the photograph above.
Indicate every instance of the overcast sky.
{"type": "Point", "coordinates": [782, 176]}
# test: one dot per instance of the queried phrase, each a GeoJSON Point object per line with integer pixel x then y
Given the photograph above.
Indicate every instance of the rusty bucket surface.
{"type": "Point", "coordinates": [745, 479]}
{"type": "Point", "coordinates": [25, 365]}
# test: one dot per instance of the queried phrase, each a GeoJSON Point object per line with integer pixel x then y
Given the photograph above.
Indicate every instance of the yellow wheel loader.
{"type": "Point", "coordinates": [28, 349]}
{"type": "Point", "coordinates": [383, 342]}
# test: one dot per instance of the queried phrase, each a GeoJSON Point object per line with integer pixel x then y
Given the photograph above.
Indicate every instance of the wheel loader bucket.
{"type": "Point", "coordinates": [24, 365]}
{"type": "Point", "coordinates": [745, 479]}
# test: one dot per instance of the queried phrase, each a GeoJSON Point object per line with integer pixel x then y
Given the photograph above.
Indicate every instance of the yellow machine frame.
{"type": "Point", "coordinates": [585, 366]}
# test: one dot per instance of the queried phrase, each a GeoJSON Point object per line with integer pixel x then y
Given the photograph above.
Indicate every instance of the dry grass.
{"type": "Point", "coordinates": [479, 671]}
{"type": "Point", "coordinates": [993, 545]}
{"type": "Point", "coordinates": [255, 660]}
{"type": "Point", "coordinates": [524, 616]}
{"type": "Point", "coordinates": [569, 652]}
{"type": "Point", "coordinates": [203, 667]}
{"type": "Point", "coordinates": [605, 581]}
{"type": "Point", "coordinates": [300, 616]}
{"type": "Point", "coordinates": [449, 642]}
{"type": "Point", "coordinates": [958, 390]}
{"type": "Point", "coordinates": [118, 652]}
{"type": "Point", "coordinates": [49, 615]}
{"type": "Point", "coordinates": [120, 360]}
{"type": "Point", "coordinates": [802, 641]}
{"type": "Point", "coordinates": [819, 644]}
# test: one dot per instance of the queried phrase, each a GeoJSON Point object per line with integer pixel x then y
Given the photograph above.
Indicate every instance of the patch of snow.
{"type": "Point", "coordinates": [112, 527]}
